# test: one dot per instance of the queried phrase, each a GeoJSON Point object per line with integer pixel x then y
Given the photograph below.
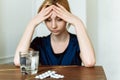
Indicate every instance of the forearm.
{"type": "Point", "coordinates": [86, 49]}
{"type": "Point", "coordinates": [24, 43]}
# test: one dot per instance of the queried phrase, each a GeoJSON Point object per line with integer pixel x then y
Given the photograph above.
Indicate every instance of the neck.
{"type": "Point", "coordinates": [60, 38]}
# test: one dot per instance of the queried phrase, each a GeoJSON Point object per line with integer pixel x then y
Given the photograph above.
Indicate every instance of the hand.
{"type": "Point", "coordinates": [65, 15]}
{"type": "Point", "coordinates": [42, 15]}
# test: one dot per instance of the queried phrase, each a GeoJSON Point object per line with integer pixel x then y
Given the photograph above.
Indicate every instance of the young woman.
{"type": "Point", "coordinates": [60, 47]}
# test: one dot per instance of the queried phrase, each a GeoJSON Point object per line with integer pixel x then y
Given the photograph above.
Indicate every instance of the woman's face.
{"type": "Point", "coordinates": [55, 24]}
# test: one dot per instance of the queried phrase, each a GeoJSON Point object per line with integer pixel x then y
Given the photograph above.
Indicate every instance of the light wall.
{"type": "Point", "coordinates": [14, 16]}
{"type": "Point", "coordinates": [103, 24]}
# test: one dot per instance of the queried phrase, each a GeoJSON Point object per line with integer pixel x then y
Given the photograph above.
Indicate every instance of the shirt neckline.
{"type": "Point", "coordinates": [64, 50]}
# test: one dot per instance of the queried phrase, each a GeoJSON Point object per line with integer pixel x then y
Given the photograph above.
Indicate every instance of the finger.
{"type": "Point", "coordinates": [65, 16]}
{"type": "Point", "coordinates": [60, 15]}
{"type": "Point", "coordinates": [47, 16]}
{"type": "Point", "coordinates": [57, 8]}
{"type": "Point", "coordinates": [42, 9]}
{"type": "Point", "coordinates": [50, 7]}
{"type": "Point", "coordinates": [60, 6]}
{"type": "Point", "coordinates": [44, 6]}
{"type": "Point", "coordinates": [59, 11]}
{"type": "Point", "coordinates": [46, 11]}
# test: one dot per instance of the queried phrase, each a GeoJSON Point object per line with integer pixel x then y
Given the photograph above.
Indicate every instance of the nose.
{"type": "Point", "coordinates": [53, 16]}
{"type": "Point", "coordinates": [54, 24]}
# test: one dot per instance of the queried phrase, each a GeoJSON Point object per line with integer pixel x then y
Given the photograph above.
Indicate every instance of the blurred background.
{"type": "Point", "coordinates": [101, 17]}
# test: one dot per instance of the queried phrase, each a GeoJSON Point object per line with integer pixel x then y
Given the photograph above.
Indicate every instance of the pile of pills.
{"type": "Point", "coordinates": [51, 74]}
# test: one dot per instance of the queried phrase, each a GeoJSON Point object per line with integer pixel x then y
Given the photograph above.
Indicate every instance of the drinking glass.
{"type": "Point", "coordinates": [29, 62]}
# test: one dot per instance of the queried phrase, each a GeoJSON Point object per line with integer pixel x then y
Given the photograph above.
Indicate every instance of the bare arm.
{"type": "Point", "coordinates": [87, 52]}
{"type": "Point", "coordinates": [25, 41]}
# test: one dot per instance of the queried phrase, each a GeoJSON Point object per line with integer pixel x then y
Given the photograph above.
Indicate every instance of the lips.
{"type": "Point", "coordinates": [55, 31]}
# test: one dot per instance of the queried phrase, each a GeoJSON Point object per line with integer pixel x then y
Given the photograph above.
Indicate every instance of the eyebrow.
{"type": "Point", "coordinates": [56, 18]}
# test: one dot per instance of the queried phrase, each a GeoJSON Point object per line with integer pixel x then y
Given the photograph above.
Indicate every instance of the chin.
{"type": "Point", "coordinates": [56, 34]}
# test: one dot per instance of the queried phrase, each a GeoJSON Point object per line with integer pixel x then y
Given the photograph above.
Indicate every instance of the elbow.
{"type": "Point", "coordinates": [16, 63]}
{"type": "Point", "coordinates": [90, 64]}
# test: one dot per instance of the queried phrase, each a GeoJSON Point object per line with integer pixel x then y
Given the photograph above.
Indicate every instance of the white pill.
{"type": "Point", "coordinates": [42, 74]}
{"type": "Point", "coordinates": [57, 76]}
{"type": "Point", "coordinates": [52, 72]}
{"type": "Point", "coordinates": [41, 78]}
{"type": "Point", "coordinates": [61, 76]}
{"type": "Point", "coordinates": [37, 77]}
{"type": "Point", "coordinates": [45, 75]}
{"type": "Point", "coordinates": [48, 71]}
{"type": "Point", "coordinates": [53, 76]}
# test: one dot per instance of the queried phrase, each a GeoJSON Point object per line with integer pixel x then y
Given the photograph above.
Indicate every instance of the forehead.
{"type": "Point", "coordinates": [53, 16]}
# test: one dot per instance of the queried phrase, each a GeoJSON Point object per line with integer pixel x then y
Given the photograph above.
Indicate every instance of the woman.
{"type": "Point", "coordinates": [60, 47]}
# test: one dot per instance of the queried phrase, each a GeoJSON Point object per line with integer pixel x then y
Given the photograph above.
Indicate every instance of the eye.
{"type": "Point", "coordinates": [48, 20]}
{"type": "Point", "coordinates": [59, 19]}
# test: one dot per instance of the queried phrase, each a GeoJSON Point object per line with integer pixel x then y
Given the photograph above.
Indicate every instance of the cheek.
{"type": "Point", "coordinates": [61, 24]}
{"type": "Point", "coordinates": [48, 24]}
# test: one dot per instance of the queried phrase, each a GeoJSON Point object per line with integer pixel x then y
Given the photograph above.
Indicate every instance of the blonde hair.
{"type": "Point", "coordinates": [64, 3]}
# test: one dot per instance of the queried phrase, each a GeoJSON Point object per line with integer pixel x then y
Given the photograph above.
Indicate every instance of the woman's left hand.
{"type": "Point", "coordinates": [65, 15]}
{"type": "Point", "coordinates": [87, 53]}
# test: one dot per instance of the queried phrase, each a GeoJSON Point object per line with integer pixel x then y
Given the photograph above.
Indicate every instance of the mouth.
{"type": "Point", "coordinates": [55, 31]}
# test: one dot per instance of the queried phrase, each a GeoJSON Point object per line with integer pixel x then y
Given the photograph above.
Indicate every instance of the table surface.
{"type": "Point", "coordinates": [11, 72]}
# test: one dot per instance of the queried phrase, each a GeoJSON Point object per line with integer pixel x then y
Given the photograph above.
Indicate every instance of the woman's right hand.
{"type": "Point", "coordinates": [25, 41]}
{"type": "Point", "coordinates": [42, 15]}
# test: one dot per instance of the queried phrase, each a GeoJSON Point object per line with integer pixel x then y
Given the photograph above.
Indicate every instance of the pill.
{"type": "Point", "coordinates": [51, 74]}
{"type": "Point", "coordinates": [37, 77]}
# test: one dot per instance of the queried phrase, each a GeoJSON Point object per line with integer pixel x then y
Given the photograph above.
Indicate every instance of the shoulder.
{"type": "Point", "coordinates": [73, 36]}
{"type": "Point", "coordinates": [74, 42]}
{"type": "Point", "coordinates": [39, 42]}
{"type": "Point", "coordinates": [41, 39]}
{"type": "Point", "coordinates": [73, 39]}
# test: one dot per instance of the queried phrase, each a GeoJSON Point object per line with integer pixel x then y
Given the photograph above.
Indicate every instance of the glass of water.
{"type": "Point", "coordinates": [29, 62]}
